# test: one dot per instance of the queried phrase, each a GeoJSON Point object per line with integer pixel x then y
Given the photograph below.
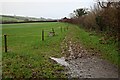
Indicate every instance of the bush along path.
{"type": "Point", "coordinates": [85, 64]}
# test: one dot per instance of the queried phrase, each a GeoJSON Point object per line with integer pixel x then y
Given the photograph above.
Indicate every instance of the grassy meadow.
{"type": "Point", "coordinates": [28, 56]}
{"type": "Point", "coordinates": [9, 19]}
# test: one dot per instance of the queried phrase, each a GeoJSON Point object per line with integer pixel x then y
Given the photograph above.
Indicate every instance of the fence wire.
{"type": "Point", "coordinates": [30, 34]}
{"type": "Point", "coordinates": [42, 35]}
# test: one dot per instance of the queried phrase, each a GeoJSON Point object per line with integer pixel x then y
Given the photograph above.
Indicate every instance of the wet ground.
{"type": "Point", "coordinates": [91, 68]}
{"type": "Point", "coordinates": [88, 68]}
{"type": "Point", "coordinates": [82, 64]}
{"type": "Point", "coordinates": [60, 61]}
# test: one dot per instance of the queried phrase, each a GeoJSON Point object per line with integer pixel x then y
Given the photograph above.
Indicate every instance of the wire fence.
{"type": "Point", "coordinates": [45, 30]}
{"type": "Point", "coordinates": [50, 31]}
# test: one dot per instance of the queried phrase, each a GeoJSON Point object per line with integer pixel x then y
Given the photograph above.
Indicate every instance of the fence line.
{"type": "Point", "coordinates": [50, 30]}
{"type": "Point", "coordinates": [34, 35]}
{"type": "Point", "coordinates": [43, 35]}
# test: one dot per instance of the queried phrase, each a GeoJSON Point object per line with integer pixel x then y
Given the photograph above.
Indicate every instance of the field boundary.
{"type": "Point", "coordinates": [51, 33]}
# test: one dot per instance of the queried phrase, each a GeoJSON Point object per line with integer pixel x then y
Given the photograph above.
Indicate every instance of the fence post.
{"type": "Point", "coordinates": [42, 35]}
{"type": "Point", "coordinates": [64, 28]}
{"type": "Point", "coordinates": [61, 29]}
{"type": "Point", "coordinates": [67, 27]}
{"type": "Point", "coordinates": [53, 30]}
{"type": "Point", "coordinates": [5, 39]}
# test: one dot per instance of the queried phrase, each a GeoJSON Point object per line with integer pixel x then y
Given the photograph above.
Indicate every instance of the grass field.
{"type": "Point", "coordinates": [28, 56]}
{"type": "Point", "coordinates": [10, 19]}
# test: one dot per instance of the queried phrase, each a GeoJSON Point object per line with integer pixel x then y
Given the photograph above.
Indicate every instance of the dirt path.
{"type": "Point", "coordinates": [83, 64]}
{"type": "Point", "coordinates": [91, 68]}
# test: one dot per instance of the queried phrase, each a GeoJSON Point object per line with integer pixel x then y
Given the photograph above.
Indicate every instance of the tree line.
{"type": "Point", "coordinates": [103, 17]}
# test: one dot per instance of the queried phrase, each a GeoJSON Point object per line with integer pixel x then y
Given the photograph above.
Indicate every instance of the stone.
{"type": "Point", "coordinates": [51, 34]}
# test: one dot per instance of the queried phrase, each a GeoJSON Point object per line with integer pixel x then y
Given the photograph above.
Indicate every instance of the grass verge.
{"type": "Point", "coordinates": [91, 42]}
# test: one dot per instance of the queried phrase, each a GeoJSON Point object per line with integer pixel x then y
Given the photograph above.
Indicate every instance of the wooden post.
{"type": "Point", "coordinates": [61, 29]}
{"type": "Point", "coordinates": [53, 30]}
{"type": "Point", "coordinates": [5, 39]}
{"type": "Point", "coordinates": [42, 35]}
{"type": "Point", "coordinates": [67, 27]}
{"type": "Point", "coordinates": [64, 28]}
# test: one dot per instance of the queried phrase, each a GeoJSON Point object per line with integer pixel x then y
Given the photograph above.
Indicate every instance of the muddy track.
{"type": "Point", "coordinates": [83, 64]}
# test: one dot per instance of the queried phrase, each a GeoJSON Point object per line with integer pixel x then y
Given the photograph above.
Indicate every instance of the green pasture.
{"type": "Point", "coordinates": [10, 19]}
{"type": "Point", "coordinates": [28, 56]}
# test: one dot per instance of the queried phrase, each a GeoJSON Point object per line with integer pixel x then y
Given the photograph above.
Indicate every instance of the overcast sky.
{"type": "Point", "coordinates": [43, 8]}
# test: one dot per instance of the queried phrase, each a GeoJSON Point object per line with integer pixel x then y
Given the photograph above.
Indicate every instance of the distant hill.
{"type": "Point", "coordinates": [8, 18]}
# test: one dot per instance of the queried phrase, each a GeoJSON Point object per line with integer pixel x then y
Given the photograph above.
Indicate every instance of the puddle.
{"type": "Point", "coordinates": [60, 61]}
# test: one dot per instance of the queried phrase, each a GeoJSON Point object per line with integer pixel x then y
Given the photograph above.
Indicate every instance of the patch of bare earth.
{"type": "Point", "coordinates": [83, 64]}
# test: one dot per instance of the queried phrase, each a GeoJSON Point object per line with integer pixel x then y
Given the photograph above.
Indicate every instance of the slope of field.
{"type": "Point", "coordinates": [7, 18]}
{"type": "Point", "coordinates": [28, 56]}
{"type": "Point", "coordinates": [10, 19]}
